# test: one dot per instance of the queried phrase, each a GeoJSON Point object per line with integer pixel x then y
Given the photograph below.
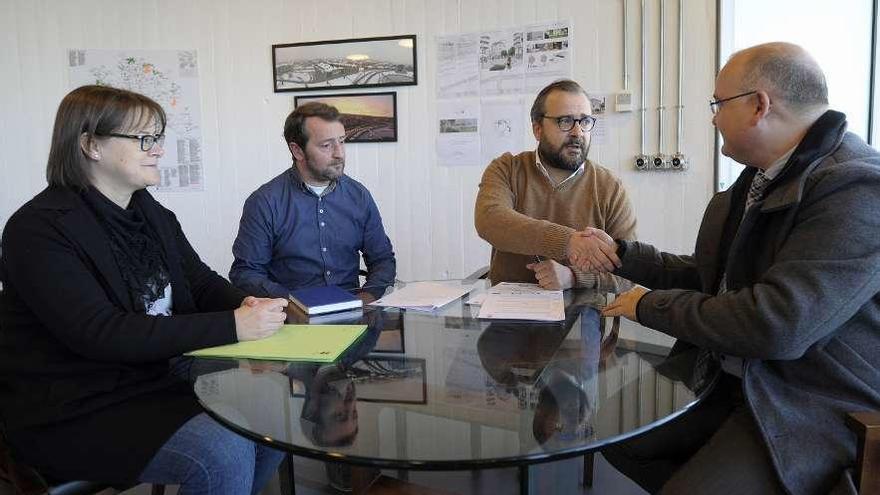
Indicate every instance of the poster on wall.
{"type": "Point", "coordinates": [547, 54]}
{"type": "Point", "coordinates": [458, 66]}
{"type": "Point", "coordinates": [171, 78]}
{"type": "Point", "coordinates": [494, 74]}
{"type": "Point", "coordinates": [501, 127]}
{"type": "Point", "coordinates": [458, 138]}
{"type": "Point", "coordinates": [501, 62]}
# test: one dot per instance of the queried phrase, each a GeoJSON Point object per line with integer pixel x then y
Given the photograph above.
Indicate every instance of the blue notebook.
{"type": "Point", "coordinates": [324, 299]}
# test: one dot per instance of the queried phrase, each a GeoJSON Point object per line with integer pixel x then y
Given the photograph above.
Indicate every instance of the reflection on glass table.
{"type": "Point", "coordinates": [459, 393]}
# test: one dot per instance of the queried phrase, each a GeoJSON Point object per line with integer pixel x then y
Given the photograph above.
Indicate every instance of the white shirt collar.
{"type": "Point", "coordinates": [776, 167]}
{"type": "Point", "coordinates": [544, 171]}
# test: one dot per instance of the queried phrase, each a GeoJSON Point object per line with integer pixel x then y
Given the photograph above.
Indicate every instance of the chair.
{"type": "Point", "coordinates": [478, 274]}
{"type": "Point", "coordinates": [27, 481]}
{"type": "Point", "coordinates": [866, 426]}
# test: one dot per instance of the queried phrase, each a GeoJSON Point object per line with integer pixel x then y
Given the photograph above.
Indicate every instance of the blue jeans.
{"type": "Point", "coordinates": [203, 457]}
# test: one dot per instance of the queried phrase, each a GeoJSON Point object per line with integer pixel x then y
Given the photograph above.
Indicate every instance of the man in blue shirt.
{"type": "Point", "coordinates": [309, 225]}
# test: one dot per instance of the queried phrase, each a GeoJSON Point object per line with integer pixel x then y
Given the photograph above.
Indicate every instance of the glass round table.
{"type": "Point", "coordinates": [444, 390]}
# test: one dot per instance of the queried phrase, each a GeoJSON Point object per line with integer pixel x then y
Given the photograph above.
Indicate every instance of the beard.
{"type": "Point", "coordinates": [330, 172]}
{"type": "Point", "coordinates": [559, 158]}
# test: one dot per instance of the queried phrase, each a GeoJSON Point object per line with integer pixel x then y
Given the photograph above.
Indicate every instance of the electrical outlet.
{"type": "Point", "coordinates": [623, 102]}
{"type": "Point", "coordinates": [642, 162]}
{"type": "Point", "coordinates": [658, 162]}
{"type": "Point", "coordinates": [678, 162]}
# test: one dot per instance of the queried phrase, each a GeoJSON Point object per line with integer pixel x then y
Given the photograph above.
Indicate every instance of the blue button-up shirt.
{"type": "Point", "coordinates": [290, 238]}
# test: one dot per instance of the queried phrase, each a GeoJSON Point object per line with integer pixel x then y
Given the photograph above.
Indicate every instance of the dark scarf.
{"type": "Point", "coordinates": [135, 246]}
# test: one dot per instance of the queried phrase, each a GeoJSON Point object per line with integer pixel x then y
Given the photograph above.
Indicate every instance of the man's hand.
{"type": "Point", "coordinates": [593, 250]}
{"type": "Point", "coordinates": [552, 275]}
{"type": "Point", "coordinates": [258, 318]}
{"type": "Point", "coordinates": [625, 304]}
{"type": "Point", "coordinates": [366, 297]}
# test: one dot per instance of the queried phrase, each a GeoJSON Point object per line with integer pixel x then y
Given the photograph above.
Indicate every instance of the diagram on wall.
{"type": "Point", "coordinates": [458, 66]}
{"type": "Point", "coordinates": [458, 141]}
{"type": "Point", "coordinates": [501, 129]}
{"type": "Point", "coordinates": [488, 75]}
{"type": "Point", "coordinates": [548, 55]}
{"type": "Point", "coordinates": [501, 62]}
{"type": "Point", "coordinates": [171, 78]}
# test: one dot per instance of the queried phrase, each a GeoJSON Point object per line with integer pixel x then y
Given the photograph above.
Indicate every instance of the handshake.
{"type": "Point", "coordinates": [593, 250]}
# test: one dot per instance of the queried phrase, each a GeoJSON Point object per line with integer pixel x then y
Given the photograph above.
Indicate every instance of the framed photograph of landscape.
{"type": "Point", "coordinates": [341, 64]}
{"type": "Point", "coordinates": [391, 379]}
{"type": "Point", "coordinates": [367, 117]}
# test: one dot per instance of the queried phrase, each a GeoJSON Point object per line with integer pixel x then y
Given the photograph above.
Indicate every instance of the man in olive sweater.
{"type": "Point", "coordinates": [531, 206]}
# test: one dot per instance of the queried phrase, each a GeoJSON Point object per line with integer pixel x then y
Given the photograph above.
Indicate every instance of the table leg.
{"type": "Point", "coordinates": [285, 476]}
{"type": "Point", "coordinates": [524, 488]}
{"type": "Point", "coordinates": [588, 470]}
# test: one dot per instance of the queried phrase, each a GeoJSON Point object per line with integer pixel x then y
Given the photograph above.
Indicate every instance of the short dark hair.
{"type": "Point", "coordinates": [566, 85]}
{"type": "Point", "coordinates": [96, 111]}
{"type": "Point", "coordinates": [295, 124]}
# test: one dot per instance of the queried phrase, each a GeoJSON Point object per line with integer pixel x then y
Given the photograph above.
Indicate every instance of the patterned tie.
{"type": "Point", "coordinates": [759, 182]}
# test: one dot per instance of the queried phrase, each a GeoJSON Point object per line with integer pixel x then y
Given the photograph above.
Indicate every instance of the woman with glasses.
{"type": "Point", "coordinates": [101, 291]}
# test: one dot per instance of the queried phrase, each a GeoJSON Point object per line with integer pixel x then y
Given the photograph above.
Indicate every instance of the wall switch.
{"type": "Point", "coordinates": [623, 102]}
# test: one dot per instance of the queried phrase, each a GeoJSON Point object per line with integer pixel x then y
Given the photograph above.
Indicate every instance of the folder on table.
{"type": "Point", "coordinates": [316, 343]}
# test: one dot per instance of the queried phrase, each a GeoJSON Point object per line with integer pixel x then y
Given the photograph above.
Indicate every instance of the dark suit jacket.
{"type": "Point", "coordinates": [803, 300]}
{"type": "Point", "coordinates": [85, 391]}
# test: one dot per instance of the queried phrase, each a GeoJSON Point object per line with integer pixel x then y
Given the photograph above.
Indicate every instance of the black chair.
{"type": "Point", "coordinates": [27, 481]}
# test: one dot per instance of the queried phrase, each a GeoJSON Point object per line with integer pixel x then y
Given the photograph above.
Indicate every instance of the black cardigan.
{"type": "Point", "coordinates": [85, 391]}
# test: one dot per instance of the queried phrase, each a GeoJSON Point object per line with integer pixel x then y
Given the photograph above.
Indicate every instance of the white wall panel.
{"type": "Point", "coordinates": [427, 209]}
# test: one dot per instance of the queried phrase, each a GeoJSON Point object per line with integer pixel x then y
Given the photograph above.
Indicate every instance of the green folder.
{"type": "Point", "coordinates": [318, 343]}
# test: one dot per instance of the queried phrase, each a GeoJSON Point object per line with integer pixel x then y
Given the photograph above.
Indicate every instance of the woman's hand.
{"type": "Point", "coordinates": [258, 318]}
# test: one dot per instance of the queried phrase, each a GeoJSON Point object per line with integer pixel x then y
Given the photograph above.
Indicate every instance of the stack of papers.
{"type": "Point", "coordinates": [316, 343]}
{"type": "Point", "coordinates": [512, 301]}
{"type": "Point", "coordinates": [424, 296]}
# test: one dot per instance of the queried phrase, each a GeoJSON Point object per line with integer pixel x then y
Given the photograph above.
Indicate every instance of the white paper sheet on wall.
{"type": "Point", "coordinates": [501, 127]}
{"type": "Point", "coordinates": [171, 77]}
{"type": "Point", "coordinates": [458, 140]}
{"type": "Point", "coordinates": [458, 66]}
{"type": "Point", "coordinates": [511, 64]}
{"type": "Point", "coordinates": [501, 62]}
{"type": "Point", "coordinates": [547, 54]}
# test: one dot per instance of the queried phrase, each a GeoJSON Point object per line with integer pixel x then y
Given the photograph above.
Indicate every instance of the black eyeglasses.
{"type": "Point", "coordinates": [567, 122]}
{"type": "Point", "coordinates": [147, 140]}
{"type": "Point", "coordinates": [714, 105]}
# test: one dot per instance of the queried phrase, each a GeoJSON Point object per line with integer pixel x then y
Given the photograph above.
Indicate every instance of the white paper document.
{"type": "Point", "coordinates": [515, 301]}
{"type": "Point", "coordinates": [477, 299]}
{"type": "Point", "coordinates": [424, 296]}
{"type": "Point", "coordinates": [501, 127]}
{"type": "Point", "coordinates": [458, 66]}
{"type": "Point", "coordinates": [501, 62]}
{"type": "Point", "coordinates": [458, 139]}
{"type": "Point", "coordinates": [548, 54]}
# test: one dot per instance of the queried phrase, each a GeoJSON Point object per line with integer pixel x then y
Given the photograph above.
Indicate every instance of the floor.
{"type": "Point", "coordinates": [557, 478]}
